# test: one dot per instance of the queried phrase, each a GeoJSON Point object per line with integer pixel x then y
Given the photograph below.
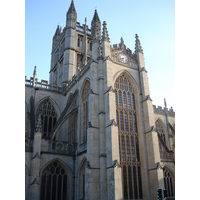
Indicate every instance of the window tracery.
{"type": "Point", "coordinates": [48, 116]}
{"type": "Point", "coordinates": [54, 182]}
{"type": "Point", "coordinates": [168, 182]}
{"type": "Point", "coordinates": [128, 138]}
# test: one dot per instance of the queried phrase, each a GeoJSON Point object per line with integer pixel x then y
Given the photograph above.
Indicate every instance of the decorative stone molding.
{"type": "Point", "coordinates": [112, 123]}
{"type": "Point", "coordinates": [108, 58]}
{"type": "Point", "coordinates": [147, 98]}
{"type": "Point", "coordinates": [100, 78]}
{"type": "Point", "coordinates": [35, 181]}
{"type": "Point", "coordinates": [158, 166]}
{"type": "Point", "coordinates": [103, 155]}
{"type": "Point", "coordinates": [115, 164]}
{"type": "Point", "coordinates": [110, 89]}
{"type": "Point", "coordinates": [143, 69]}
{"type": "Point", "coordinates": [101, 112]}
{"type": "Point", "coordinates": [92, 92]}
{"type": "Point", "coordinates": [152, 128]}
{"type": "Point", "coordinates": [89, 166]}
{"type": "Point", "coordinates": [91, 126]}
{"type": "Point", "coordinates": [36, 156]}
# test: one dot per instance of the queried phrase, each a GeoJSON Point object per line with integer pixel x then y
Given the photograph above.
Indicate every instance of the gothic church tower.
{"type": "Point", "coordinates": [91, 130]}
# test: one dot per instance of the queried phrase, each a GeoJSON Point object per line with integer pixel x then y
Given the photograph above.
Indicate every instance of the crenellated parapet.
{"type": "Point", "coordinates": [121, 47]}
{"type": "Point", "coordinates": [160, 110]}
{"type": "Point", "coordinates": [81, 28]}
{"type": "Point", "coordinates": [66, 86]}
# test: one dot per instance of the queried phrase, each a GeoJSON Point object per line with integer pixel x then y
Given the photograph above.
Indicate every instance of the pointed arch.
{"type": "Point", "coordinates": [49, 115]}
{"type": "Point", "coordinates": [84, 83]}
{"type": "Point", "coordinates": [169, 180]}
{"type": "Point", "coordinates": [129, 76]}
{"type": "Point", "coordinates": [85, 91]}
{"type": "Point", "coordinates": [55, 181]}
{"type": "Point", "coordinates": [127, 113]}
{"type": "Point", "coordinates": [53, 102]}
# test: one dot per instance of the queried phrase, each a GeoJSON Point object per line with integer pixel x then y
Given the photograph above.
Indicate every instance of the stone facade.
{"type": "Point", "coordinates": [92, 132]}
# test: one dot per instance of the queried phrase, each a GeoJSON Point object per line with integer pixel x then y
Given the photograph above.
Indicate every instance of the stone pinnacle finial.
{"type": "Point", "coordinates": [38, 127]}
{"type": "Point", "coordinates": [34, 72]}
{"type": "Point", "coordinates": [72, 8]}
{"type": "Point", "coordinates": [95, 17]}
{"type": "Point", "coordinates": [122, 43]}
{"type": "Point", "coordinates": [138, 47]}
{"type": "Point", "coordinates": [165, 103]}
{"type": "Point", "coordinates": [105, 36]}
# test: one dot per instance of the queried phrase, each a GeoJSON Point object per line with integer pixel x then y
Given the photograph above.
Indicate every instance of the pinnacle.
{"type": "Point", "coordinates": [138, 47]}
{"type": "Point", "coordinates": [105, 36]}
{"type": "Point", "coordinates": [72, 8]}
{"type": "Point", "coordinates": [34, 72]}
{"type": "Point", "coordinates": [95, 17]}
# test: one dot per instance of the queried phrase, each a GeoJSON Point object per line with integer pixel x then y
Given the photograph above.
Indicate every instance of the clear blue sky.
{"type": "Point", "coordinates": [153, 21]}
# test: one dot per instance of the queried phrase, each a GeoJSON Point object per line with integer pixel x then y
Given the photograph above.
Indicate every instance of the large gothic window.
{"type": "Point", "coordinates": [54, 182]}
{"type": "Point", "coordinates": [48, 116]}
{"type": "Point", "coordinates": [85, 102]}
{"type": "Point", "coordinates": [128, 139]}
{"type": "Point", "coordinates": [168, 182]}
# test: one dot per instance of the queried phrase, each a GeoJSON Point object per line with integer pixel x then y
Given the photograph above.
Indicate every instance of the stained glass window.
{"type": "Point", "coordinates": [54, 182]}
{"type": "Point", "coordinates": [48, 116]}
{"type": "Point", "coordinates": [128, 138]}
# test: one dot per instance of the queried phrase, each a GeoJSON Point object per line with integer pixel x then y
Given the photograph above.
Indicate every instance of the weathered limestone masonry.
{"type": "Point", "coordinates": [91, 131]}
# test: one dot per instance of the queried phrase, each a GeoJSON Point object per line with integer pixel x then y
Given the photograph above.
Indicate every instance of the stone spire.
{"type": "Point", "coordinates": [34, 76]}
{"type": "Point", "coordinates": [95, 17]}
{"type": "Point", "coordinates": [71, 8]}
{"type": "Point", "coordinates": [38, 127]}
{"type": "Point", "coordinates": [71, 16]}
{"type": "Point", "coordinates": [138, 47]}
{"type": "Point", "coordinates": [105, 36]}
{"type": "Point", "coordinates": [96, 25]}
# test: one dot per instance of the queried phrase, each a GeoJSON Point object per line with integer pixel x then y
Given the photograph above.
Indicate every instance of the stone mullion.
{"type": "Point", "coordinates": [51, 191]}
{"type": "Point", "coordinates": [127, 179]}
{"type": "Point", "coordinates": [45, 188]}
{"type": "Point", "coordinates": [61, 186]}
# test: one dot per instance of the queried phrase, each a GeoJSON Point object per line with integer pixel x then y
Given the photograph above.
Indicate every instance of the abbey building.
{"type": "Point", "coordinates": [91, 131]}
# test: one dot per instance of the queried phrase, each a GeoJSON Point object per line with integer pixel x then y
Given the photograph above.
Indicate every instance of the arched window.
{"type": "Point", "coordinates": [54, 182]}
{"type": "Point", "coordinates": [168, 182]}
{"type": "Point", "coordinates": [85, 104]}
{"type": "Point", "coordinates": [48, 116]}
{"type": "Point", "coordinates": [160, 130]}
{"type": "Point", "coordinates": [128, 138]}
